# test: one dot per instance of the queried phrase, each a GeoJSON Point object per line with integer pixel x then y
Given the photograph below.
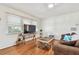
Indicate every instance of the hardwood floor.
{"type": "Point", "coordinates": [28, 48]}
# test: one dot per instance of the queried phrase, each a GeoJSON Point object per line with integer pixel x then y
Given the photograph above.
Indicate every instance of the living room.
{"type": "Point", "coordinates": [45, 21]}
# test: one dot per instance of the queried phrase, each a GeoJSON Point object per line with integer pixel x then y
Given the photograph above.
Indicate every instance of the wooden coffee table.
{"type": "Point", "coordinates": [45, 40]}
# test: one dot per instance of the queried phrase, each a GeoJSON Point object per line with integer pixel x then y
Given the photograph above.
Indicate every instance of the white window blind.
{"type": "Point", "coordinates": [14, 23]}
{"type": "Point", "coordinates": [34, 22]}
{"type": "Point", "coordinates": [27, 21]}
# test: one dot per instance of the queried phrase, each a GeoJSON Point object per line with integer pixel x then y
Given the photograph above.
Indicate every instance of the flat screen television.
{"type": "Point", "coordinates": [29, 28]}
{"type": "Point", "coordinates": [32, 28]}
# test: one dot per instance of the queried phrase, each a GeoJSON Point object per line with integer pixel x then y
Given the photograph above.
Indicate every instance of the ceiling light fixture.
{"type": "Point", "coordinates": [50, 5]}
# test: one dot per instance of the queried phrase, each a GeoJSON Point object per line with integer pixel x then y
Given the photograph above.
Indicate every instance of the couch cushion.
{"type": "Point", "coordinates": [77, 44]}
{"type": "Point", "coordinates": [69, 43]}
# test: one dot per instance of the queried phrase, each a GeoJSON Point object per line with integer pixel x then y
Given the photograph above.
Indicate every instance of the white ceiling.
{"type": "Point", "coordinates": [41, 10]}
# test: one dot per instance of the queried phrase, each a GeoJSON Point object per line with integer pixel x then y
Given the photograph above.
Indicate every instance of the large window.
{"type": "Point", "coordinates": [14, 24]}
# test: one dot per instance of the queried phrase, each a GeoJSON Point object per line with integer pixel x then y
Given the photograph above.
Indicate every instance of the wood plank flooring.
{"type": "Point", "coordinates": [28, 48]}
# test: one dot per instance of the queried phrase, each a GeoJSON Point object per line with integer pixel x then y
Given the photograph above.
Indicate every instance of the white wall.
{"type": "Point", "coordinates": [7, 40]}
{"type": "Point", "coordinates": [60, 24]}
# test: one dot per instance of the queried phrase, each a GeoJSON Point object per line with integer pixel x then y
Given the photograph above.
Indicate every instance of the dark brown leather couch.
{"type": "Point", "coordinates": [63, 48]}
